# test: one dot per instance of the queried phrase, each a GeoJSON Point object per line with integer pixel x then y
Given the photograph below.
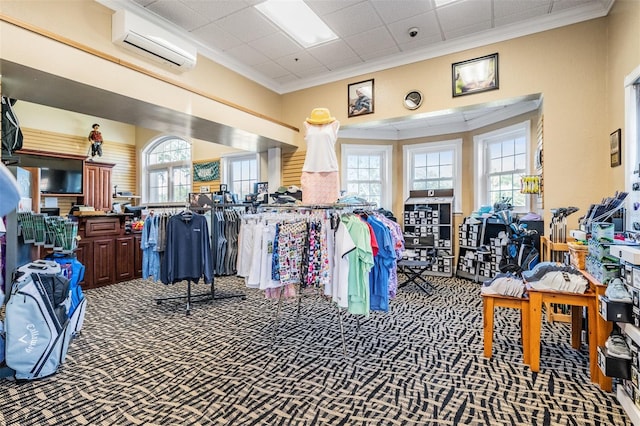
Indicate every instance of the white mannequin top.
{"type": "Point", "coordinates": [321, 153]}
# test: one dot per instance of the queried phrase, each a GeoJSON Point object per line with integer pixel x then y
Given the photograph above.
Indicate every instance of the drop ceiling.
{"type": "Point", "coordinates": [373, 35]}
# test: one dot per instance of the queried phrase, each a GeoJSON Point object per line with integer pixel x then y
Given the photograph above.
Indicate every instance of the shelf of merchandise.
{"type": "Point", "coordinates": [428, 222]}
{"type": "Point", "coordinates": [629, 406]}
{"type": "Point", "coordinates": [481, 266]}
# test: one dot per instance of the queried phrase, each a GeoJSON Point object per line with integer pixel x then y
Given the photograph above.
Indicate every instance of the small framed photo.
{"type": "Point", "coordinates": [261, 187]}
{"type": "Point", "coordinates": [615, 145]}
{"type": "Point", "coordinates": [360, 100]}
{"type": "Point", "coordinates": [223, 187]}
{"type": "Point", "coordinates": [475, 75]}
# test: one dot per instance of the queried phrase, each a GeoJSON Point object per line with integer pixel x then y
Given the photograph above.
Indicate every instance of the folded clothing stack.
{"type": "Point", "coordinates": [504, 284]}
{"type": "Point", "coordinates": [556, 277]}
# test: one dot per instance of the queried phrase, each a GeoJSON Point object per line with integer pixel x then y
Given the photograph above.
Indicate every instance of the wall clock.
{"type": "Point", "coordinates": [412, 100]}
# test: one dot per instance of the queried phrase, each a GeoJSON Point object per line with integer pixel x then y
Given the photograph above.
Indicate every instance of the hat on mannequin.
{"type": "Point", "coordinates": [320, 116]}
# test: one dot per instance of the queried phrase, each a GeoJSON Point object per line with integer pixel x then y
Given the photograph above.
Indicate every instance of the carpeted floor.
{"type": "Point", "coordinates": [140, 363]}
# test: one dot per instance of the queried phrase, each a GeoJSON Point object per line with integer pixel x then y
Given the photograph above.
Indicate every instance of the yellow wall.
{"type": "Point", "coordinates": [570, 76]}
{"type": "Point", "coordinates": [578, 69]}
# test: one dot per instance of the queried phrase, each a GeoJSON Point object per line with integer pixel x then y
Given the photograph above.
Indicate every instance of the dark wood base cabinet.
{"type": "Point", "coordinates": [109, 254]}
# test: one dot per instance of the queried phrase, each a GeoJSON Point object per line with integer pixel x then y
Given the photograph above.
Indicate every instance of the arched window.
{"type": "Point", "coordinates": [167, 170]}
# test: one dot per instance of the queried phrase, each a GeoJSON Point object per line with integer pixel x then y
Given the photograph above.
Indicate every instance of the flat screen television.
{"type": "Point", "coordinates": [61, 177]}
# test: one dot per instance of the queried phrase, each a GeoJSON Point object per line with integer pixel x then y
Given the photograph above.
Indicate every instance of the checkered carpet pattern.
{"type": "Point", "coordinates": [137, 362]}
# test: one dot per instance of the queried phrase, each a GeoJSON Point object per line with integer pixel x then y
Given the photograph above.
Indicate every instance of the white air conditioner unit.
{"type": "Point", "coordinates": [145, 38]}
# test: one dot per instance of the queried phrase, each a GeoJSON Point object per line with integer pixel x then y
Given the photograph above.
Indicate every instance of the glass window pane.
{"type": "Point", "coordinates": [495, 165]}
{"type": "Point", "coordinates": [433, 172]}
{"type": "Point", "coordinates": [495, 150]}
{"type": "Point", "coordinates": [422, 184]}
{"type": "Point", "coordinates": [507, 148]}
{"type": "Point", "coordinates": [363, 161]}
{"type": "Point", "coordinates": [507, 164]}
{"type": "Point", "coordinates": [446, 184]}
{"type": "Point", "coordinates": [352, 174]}
{"type": "Point", "coordinates": [520, 162]}
{"type": "Point", "coordinates": [432, 184]}
{"type": "Point", "coordinates": [375, 174]}
{"type": "Point", "coordinates": [433, 159]}
{"type": "Point", "coordinates": [446, 171]}
{"type": "Point", "coordinates": [521, 146]}
{"type": "Point", "coordinates": [494, 183]}
{"type": "Point", "coordinates": [420, 160]}
{"type": "Point", "coordinates": [446, 157]}
{"type": "Point", "coordinates": [376, 161]}
{"type": "Point", "coordinates": [420, 173]}
{"type": "Point", "coordinates": [363, 174]}
{"type": "Point", "coordinates": [352, 161]}
{"type": "Point", "coordinates": [352, 188]}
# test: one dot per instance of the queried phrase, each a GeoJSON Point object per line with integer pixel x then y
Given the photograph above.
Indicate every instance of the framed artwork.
{"type": "Point", "coordinates": [615, 146]}
{"type": "Point", "coordinates": [475, 75]}
{"type": "Point", "coordinates": [360, 99]}
{"type": "Point", "coordinates": [261, 187]}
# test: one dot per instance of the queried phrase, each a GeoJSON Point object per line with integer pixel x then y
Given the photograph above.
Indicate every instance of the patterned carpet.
{"type": "Point", "coordinates": [140, 363]}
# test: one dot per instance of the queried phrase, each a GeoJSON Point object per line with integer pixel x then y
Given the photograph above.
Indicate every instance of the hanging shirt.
{"type": "Point", "coordinates": [382, 264]}
{"type": "Point", "coordinates": [188, 250]}
{"type": "Point", "coordinates": [321, 152]}
{"type": "Point", "coordinates": [360, 263]}
{"type": "Point", "coordinates": [339, 285]}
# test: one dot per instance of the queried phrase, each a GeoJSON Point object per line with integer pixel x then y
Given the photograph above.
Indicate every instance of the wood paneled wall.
{"type": "Point", "coordinates": [292, 163]}
{"type": "Point", "coordinates": [122, 155]}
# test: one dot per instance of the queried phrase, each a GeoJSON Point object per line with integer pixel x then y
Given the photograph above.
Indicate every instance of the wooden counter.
{"type": "Point", "coordinates": [109, 254]}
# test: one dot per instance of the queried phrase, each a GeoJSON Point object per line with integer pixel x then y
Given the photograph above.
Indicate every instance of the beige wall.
{"type": "Point", "coordinates": [570, 76]}
{"type": "Point", "coordinates": [578, 69]}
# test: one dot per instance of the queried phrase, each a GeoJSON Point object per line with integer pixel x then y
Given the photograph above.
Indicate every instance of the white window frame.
{"type": "Point", "coordinates": [479, 153]}
{"type": "Point", "coordinates": [455, 145]}
{"type": "Point", "coordinates": [631, 148]}
{"type": "Point", "coordinates": [226, 165]}
{"type": "Point", "coordinates": [386, 176]}
{"type": "Point", "coordinates": [148, 168]}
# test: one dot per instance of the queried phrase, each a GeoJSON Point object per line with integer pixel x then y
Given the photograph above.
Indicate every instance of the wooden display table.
{"type": "Point", "coordinates": [576, 300]}
{"type": "Point", "coordinates": [492, 301]}
{"type": "Point", "coordinates": [554, 252]}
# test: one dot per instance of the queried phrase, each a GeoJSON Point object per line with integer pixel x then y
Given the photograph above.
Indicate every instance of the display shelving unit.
{"type": "Point", "coordinates": [428, 222]}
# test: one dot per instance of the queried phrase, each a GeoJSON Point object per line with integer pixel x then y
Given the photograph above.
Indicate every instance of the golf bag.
{"type": "Point", "coordinates": [36, 321]}
{"type": "Point", "coordinates": [73, 270]}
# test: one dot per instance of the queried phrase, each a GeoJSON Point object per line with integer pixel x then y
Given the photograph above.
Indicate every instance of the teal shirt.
{"type": "Point", "coordinates": [360, 263]}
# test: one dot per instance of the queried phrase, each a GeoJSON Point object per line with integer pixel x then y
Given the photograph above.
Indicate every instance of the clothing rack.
{"type": "Point", "coordinates": [199, 297]}
{"type": "Point", "coordinates": [300, 295]}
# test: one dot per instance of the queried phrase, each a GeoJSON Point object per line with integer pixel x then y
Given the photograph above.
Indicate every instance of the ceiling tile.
{"type": "Point", "coordinates": [463, 31]}
{"type": "Point", "coordinates": [247, 55]}
{"type": "Point", "coordinates": [335, 65]}
{"type": "Point", "coordinates": [502, 8]}
{"type": "Point", "coordinates": [353, 20]}
{"type": "Point", "coordinates": [276, 45]}
{"type": "Point", "coordinates": [215, 10]}
{"type": "Point", "coordinates": [298, 63]}
{"type": "Point", "coordinates": [559, 5]}
{"type": "Point", "coordinates": [413, 44]}
{"type": "Point", "coordinates": [178, 13]}
{"type": "Point", "coordinates": [377, 54]}
{"type": "Point", "coordinates": [426, 23]}
{"type": "Point", "coordinates": [393, 11]}
{"type": "Point", "coordinates": [325, 7]}
{"type": "Point", "coordinates": [520, 15]}
{"type": "Point", "coordinates": [333, 51]}
{"type": "Point", "coordinates": [247, 24]}
{"type": "Point", "coordinates": [216, 37]}
{"type": "Point", "coordinates": [373, 40]}
{"type": "Point", "coordinates": [271, 69]}
{"type": "Point", "coordinates": [464, 14]}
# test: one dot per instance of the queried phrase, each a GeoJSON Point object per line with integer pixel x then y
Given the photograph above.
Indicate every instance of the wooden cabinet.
{"type": "Point", "coordinates": [137, 253]}
{"type": "Point", "coordinates": [125, 258]}
{"type": "Point", "coordinates": [109, 254]}
{"type": "Point", "coordinates": [97, 185]}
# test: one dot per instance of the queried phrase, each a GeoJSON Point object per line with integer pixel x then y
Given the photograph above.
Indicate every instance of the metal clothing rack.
{"type": "Point", "coordinates": [310, 207]}
{"type": "Point", "coordinates": [200, 297]}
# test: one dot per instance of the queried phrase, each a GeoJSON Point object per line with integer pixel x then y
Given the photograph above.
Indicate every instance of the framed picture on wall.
{"type": "Point", "coordinates": [475, 75]}
{"type": "Point", "coordinates": [360, 99]}
{"type": "Point", "coordinates": [615, 145]}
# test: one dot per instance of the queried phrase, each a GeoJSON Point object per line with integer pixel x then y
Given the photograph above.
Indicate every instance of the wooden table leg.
{"type": "Point", "coordinates": [535, 317]}
{"type": "Point", "coordinates": [592, 318]}
{"type": "Point", "coordinates": [526, 332]}
{"type": "Point", "coordinates": [576, 326]}
{"type": "Point", "coordinates": [487, 315]}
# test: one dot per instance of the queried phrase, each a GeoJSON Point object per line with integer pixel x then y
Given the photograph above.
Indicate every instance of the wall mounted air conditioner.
{"type": "Point", "coordinates": [145, 38]}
